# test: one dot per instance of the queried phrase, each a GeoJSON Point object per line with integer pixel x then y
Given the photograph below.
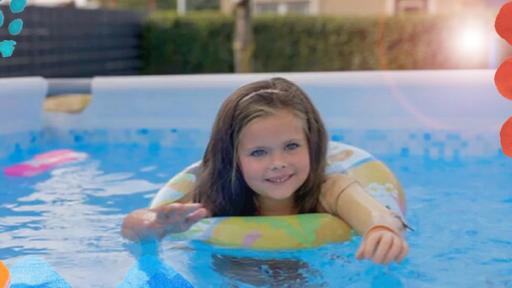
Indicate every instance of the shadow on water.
{"type": "Point", "coordinates": [265, 272]}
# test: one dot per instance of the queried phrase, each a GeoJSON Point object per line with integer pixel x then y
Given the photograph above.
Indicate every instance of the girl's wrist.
{"type": "Point", "coordinates": [381, 227]}
{"type": "Point", "coordinates": [392, 221]}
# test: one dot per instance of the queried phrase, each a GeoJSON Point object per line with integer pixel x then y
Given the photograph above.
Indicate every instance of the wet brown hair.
{"type": "Point", "coordinates": [221, 187]}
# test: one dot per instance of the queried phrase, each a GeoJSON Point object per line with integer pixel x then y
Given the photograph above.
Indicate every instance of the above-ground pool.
{"type": "Point", "coordinates": [437, 130]}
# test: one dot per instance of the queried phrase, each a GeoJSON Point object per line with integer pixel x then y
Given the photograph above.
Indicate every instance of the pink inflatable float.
{"type": "Point", "coordinates": [44, 162]}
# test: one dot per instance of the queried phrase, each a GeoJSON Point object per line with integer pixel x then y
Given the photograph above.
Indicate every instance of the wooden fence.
{"type": "Point", "coordinates": [70, 42]}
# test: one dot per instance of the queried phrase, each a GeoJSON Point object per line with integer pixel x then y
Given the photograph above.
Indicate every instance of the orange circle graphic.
{"type": "Point", "coordinates": [5, 277]}
{"type": "Point", "coordinates": [503, 78]}
{"type": "Point", "coordinates": [503, 23]}
{"type": "Point", "coordinates": [506, 137]}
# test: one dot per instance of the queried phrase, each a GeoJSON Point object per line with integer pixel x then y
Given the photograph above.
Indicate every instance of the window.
{"type": "Point", "coordinates": [298, 7]}
{"type": "Point", "coordinates": [411, 6]}
{"type": "Point", "coordinates": [266, 8]}
{"type": "Point", "coordinates": [282, 7]}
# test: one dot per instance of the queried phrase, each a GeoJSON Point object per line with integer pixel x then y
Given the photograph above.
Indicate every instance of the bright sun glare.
{"type": "Point", "coordinates": [471, 41]}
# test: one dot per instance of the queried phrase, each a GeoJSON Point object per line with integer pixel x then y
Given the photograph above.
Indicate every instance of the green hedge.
{"type": "Point", "coordinates": [201, 43]}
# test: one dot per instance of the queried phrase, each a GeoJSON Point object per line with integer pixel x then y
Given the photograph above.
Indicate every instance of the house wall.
{"type": "Point", "coordinates": [355, 7]}
{"type": "Point", "coordinates": [373, 7]}
{"type": "Point", "coordinates": [457, 6]}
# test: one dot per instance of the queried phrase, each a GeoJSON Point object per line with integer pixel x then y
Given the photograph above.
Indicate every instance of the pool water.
{"type": "Point", "coordinates": [458, 189]}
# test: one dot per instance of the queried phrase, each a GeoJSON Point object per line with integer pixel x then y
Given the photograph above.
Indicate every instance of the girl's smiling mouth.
{"type": "Point", "coordinates": [279, 179]}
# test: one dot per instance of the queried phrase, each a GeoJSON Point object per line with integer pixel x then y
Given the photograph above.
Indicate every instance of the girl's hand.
{"type": "Point", "coordinates": [382, 245]}
{"type": "Point", "coordinates": [145, 224]}
{"type": "Point", "coordinates": [177, 217]}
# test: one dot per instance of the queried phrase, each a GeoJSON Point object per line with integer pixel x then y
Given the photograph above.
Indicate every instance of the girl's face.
{"type": "Point", "coordinates": [274, 157]}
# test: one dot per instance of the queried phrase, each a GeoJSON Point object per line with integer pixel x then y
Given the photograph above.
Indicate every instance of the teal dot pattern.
{"type": "Point", "coordinates": [17, 6]}
{"type": "Point", "coordinates": [14, 28]}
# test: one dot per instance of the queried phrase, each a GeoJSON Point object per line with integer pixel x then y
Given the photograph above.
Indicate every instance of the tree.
{"type": "Point", "coordinates": [203, 4]}
{"type": "Point", "coordinates": [243, 43]}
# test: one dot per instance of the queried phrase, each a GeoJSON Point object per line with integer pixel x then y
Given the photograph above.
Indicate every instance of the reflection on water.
{"type": "Point", "coordinates": [67, 217]}
{"type": "Point", "coordinates": [72, 217]}
{"type": "Point", "coordinates": [262, 272]}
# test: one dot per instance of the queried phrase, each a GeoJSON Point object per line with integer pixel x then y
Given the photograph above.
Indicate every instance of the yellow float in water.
{"type": "Point", "coordinates": [294, 231]}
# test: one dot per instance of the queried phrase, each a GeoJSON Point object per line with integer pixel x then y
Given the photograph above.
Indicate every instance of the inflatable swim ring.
{"type": "Point", "coordinates": [294, 231]}
{"type": "Point", "coordinates": [4, 276]}
{"type": "Point", "coordinates": [44, 162]}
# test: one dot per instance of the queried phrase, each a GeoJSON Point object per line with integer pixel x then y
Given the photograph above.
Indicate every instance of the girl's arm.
{"type": "Point", "coordinates": [381, 229]}
{"type": "Point", "coordinates": [155, 223]}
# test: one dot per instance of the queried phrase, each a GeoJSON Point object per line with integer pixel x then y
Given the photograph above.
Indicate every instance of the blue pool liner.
{"type": "Point", "coordinates": [35, 272]}
{"type": "Point", "coordinates": [151, 272]}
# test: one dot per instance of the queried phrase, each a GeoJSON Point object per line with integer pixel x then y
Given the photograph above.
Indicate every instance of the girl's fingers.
{"type": "Point", "coordinates": [162, 212]}
{"type": "Point", "coordinates": [395, 250]}
{"type": "Point", "coordinates": [368, 246]}
{"type": "Point", "coordinates": [359, 253]}
{"type": "Point", "coordinates": [196, 216]}
{"type": "Point", "coordinates": [405, 250]}
{"type": "Point", "coordinates": [383, 247]}
{"type": "Point", "coordinates": [191, 208]}
{"type": "Point", "coordinates": [176, 211]}
{"type": "Point", "coordinates": [170, 209]}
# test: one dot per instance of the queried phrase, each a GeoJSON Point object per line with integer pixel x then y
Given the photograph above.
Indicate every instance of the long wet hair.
{"type": "Point", "coordinates": [221, 187]}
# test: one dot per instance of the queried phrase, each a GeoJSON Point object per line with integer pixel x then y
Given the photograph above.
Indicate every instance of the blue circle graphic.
{"type": "Point", "coordinates": [15, 26]}
{"type": "Point", "coordinates": [17, 6]}
{"type": "Point", "coordinates": [7, 46]}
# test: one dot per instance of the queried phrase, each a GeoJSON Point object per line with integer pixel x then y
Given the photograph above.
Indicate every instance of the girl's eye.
{"type": "Point", "coordinates": [292, 146]}
{"type": "Point", "coordinates": [258, 153]}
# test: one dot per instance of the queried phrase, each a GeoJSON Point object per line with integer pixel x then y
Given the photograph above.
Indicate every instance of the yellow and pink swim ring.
{"type": "Point", "coordinates": [294, 231]}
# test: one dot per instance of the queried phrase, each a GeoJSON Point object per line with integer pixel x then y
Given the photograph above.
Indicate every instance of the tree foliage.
{"type": "Point", "coordinates": [161, 4]}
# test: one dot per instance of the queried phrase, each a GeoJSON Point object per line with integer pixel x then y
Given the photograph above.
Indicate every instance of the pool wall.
{"type": "Point", "coordinates": [448, 100]}
{"type": "Point", "coordinates": [21, 102]}
{"type": "Point", "coordinates": [461, 105]}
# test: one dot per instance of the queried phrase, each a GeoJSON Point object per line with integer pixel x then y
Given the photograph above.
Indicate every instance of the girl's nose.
{"type": "Point", "coordinates": [278, 166]}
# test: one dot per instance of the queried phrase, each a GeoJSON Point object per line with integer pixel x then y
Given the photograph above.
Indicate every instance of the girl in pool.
{"type": "Point", "coordinates": [267, 156]}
